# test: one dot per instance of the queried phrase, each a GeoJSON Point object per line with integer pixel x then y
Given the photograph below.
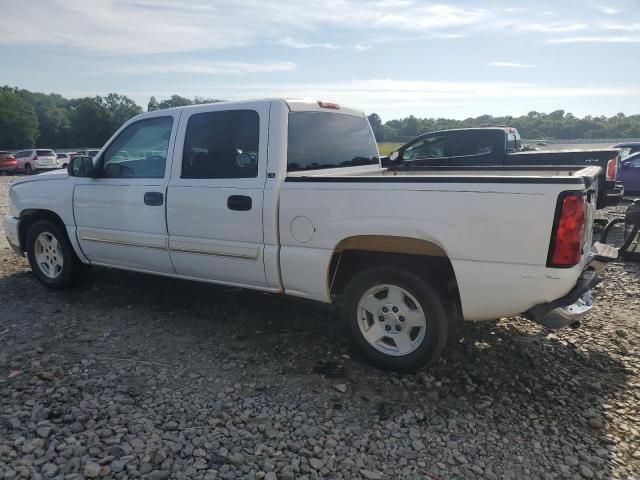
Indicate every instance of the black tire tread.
{"type": "Point", "coordinates": [73, 271]}
{"type": "Point", "coordinates": [442, 313]}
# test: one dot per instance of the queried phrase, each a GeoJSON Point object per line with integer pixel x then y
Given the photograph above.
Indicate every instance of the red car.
{"type": "Point", "coordinates": [7, 162]}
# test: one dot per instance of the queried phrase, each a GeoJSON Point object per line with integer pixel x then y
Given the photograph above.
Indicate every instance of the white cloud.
{"type": "Point", "coordinates": [595, 39]}
{"type": "Point", "coordinates": [631, 27]}
{"type": "Point", "coordinates": [375, 94]}
{"type": "Point", "coordinates": [551, 27]}
{"type": "Point", "coordinates": [299, 44]}
{"type": "Point", "coordinates": [608, 10]}
{"type": "Point", "coordinates": [203, 68]}
{"type": "Point", "coordinates": [117, 27]}
{"type": "Point", "coordinates": [509, 65]}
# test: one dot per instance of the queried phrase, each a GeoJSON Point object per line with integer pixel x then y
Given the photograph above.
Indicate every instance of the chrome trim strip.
{"type": "Point", "coordinates": [118, 242]}
{"type": "Point", "coordinates": [215, 254]}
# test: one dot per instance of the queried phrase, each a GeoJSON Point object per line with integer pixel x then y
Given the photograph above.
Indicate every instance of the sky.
{"type": "Point", "coordinates": [452, 59]}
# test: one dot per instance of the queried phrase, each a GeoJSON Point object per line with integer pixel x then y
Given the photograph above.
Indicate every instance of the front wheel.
{"type": "Point", "coordinates": [396, 319]}
{"type": "Point", "coordinates": [51, 256]}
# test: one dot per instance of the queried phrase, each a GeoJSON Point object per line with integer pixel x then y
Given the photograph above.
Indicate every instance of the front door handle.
{"type": "Point", "coordinates": [153, 199]}
{"type": "Point", "coordinates": [241, 203]}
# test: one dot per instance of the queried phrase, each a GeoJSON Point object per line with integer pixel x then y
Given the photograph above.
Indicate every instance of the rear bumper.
{"type": "Point", "coordinates": [614, 193]}
{"type": "Point", "coordinates": [573, 306]}
{"type": "Point", "coordinates": [12, 232]}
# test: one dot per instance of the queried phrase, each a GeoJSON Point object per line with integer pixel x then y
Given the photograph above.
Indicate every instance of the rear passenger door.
{"type": "Point", "coordinates": [477, 147]}
{"type": "Point", "coordinates": [215, 196]}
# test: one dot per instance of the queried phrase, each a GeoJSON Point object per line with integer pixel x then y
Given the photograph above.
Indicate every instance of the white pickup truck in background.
{"type": "Point", "coordinates": [289, 197]}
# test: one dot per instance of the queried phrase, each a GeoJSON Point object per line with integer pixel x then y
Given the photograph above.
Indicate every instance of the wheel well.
{"type": "Point", "coordinates": [423, 258]}
{"type": "Point", "coordinates": [29, 217]}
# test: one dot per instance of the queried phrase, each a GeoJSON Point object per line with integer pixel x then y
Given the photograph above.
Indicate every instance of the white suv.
{"type": "Point", "coordinates": [30, 161]}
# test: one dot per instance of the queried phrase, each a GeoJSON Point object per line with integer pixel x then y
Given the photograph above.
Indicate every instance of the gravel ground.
{"type": "Point", "coordinates": [136, 376]}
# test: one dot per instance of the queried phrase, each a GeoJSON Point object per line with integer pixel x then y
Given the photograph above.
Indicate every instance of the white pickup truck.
{"type": "Point", "coordinates": [289, 197]}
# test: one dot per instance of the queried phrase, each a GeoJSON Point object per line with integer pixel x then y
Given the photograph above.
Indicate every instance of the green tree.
{"type": "Point", "coordinates": [376, 126]}
{"type": "Point", "coordinates": [153, 105]}
{"type": "Point", "coordinates": [121, 108]}
{"type": "Point", "coordinates": [90, 122]}
{"type": "Point", "coordinates": [18, 121]}
{"type": "Point", "coordinates": [202, 100]}
{"type": "Point", "coordinates": [53, 118]}
{"type": "Point", "coordinates": [175, 101]}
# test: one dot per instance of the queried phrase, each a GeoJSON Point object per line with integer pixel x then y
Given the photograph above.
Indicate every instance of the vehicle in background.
{"type": "Point", "coordinates": [32, 160]}
{"type": "Point", "coordinates": [290, 197]}
{"type": "Point", "coordinates": [630, 173]}
{"type": "Point", "coordinates": [7, 162]}
{"type": "Point", "coordinates": [628, 148]}
{"type": "Point", "coordinates": [464, 148]}
{"type": "Point", "coordinates": [92, 152]}
{"type": "Point", "coordinates": [65, 158]}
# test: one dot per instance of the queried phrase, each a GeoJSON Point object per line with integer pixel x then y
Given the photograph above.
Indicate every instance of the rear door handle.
{"type": "Point", "coordinates": [241, 203]}
{"type": "Point", "coordinates": [153, 199]}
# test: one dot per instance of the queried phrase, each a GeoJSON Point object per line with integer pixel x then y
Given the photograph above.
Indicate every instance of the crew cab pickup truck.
{"type": "Point", "coordinates": [501, 146]}
{"type": "Point", "coordinates": [289, 197]}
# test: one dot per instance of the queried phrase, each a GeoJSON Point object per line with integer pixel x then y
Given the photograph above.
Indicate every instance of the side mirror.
{"type": "Point", "coordinates": [393, 156]}
{"type": "Point", "coordinates": [81, 167]}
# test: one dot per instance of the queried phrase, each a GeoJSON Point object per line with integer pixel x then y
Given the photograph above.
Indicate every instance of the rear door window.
{"type": "Point", "coordinates": [320, 140]}
{"type": "Point", "coordinates": [473, 147]}
{"type": "Point", "coordinates": [221, 145]}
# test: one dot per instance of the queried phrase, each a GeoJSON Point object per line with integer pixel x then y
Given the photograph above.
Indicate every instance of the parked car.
{"type": "Point", "coordinates": [89, 153]}
{"type": "Point", "coordinates": [501, 146]}
{"type": "Point", "coordinates": [65, 158]}
{"type": "Point", "coordinates": [628, 148]}
{"type": "Point", "coordinates": [630, 173]}
{"type": "Point", "coordinates": [32, 160]}
{"type": "Point", "coordinates": [289, 197]}
{"type": "Point", "coordinates": [7, 162]}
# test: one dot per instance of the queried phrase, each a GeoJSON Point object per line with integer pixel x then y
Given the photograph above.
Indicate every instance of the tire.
{"type": "Point", "coordinates": [415, 327]}
{"type": "Point", "coordinates": [27, 169]}
{"type": "Point", "coordinates": [51, 256]}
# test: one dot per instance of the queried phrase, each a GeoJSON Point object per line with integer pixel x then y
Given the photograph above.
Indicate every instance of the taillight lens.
{"type": "Point", "coordinates": [568, 232]}
{"type": "Point", "coordinates": [612, 169]}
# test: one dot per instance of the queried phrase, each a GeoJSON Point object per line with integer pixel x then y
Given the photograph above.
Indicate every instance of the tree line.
{"type": "Point", "coordinates": [34, 119]}
{"type": "Point", "coordinates": [557, 125]}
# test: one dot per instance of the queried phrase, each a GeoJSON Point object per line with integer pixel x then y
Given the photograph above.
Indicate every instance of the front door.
{"type": "Point", "coordinates": [120, 215]}
{"type": "Point", "coordinates": [215, 196]}
{"type": "Point", "coordinates": [430, 151]}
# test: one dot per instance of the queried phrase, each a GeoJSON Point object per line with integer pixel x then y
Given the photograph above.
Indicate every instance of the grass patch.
{"type": "Point", "coordinates": [386, 148]}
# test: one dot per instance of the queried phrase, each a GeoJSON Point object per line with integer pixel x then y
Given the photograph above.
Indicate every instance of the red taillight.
{"type": "Point", "coordinates": [568, 232]}
{"type": "Point", "coordinates": [334, 106]}
{"type": "Point", "coordinates": [612, 169]}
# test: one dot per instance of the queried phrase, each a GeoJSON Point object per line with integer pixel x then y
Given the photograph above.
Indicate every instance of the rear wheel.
{"type": "Point", "coordinates": [51, 256]}
{"type": "Point", "coordinates": [27, 169]}
{"type": "Point", "coordinates": [396, 319]}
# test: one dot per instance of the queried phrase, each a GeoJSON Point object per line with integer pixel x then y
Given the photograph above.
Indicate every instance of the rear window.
{"type": "Point", "coordinates": [319, 140]}
{"type": "Point", "coordinates": [61, 155]}
{"type": "Point", "coordinates": [513, 142]}
{"type": "Point", "coordinates": [45, 153]}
